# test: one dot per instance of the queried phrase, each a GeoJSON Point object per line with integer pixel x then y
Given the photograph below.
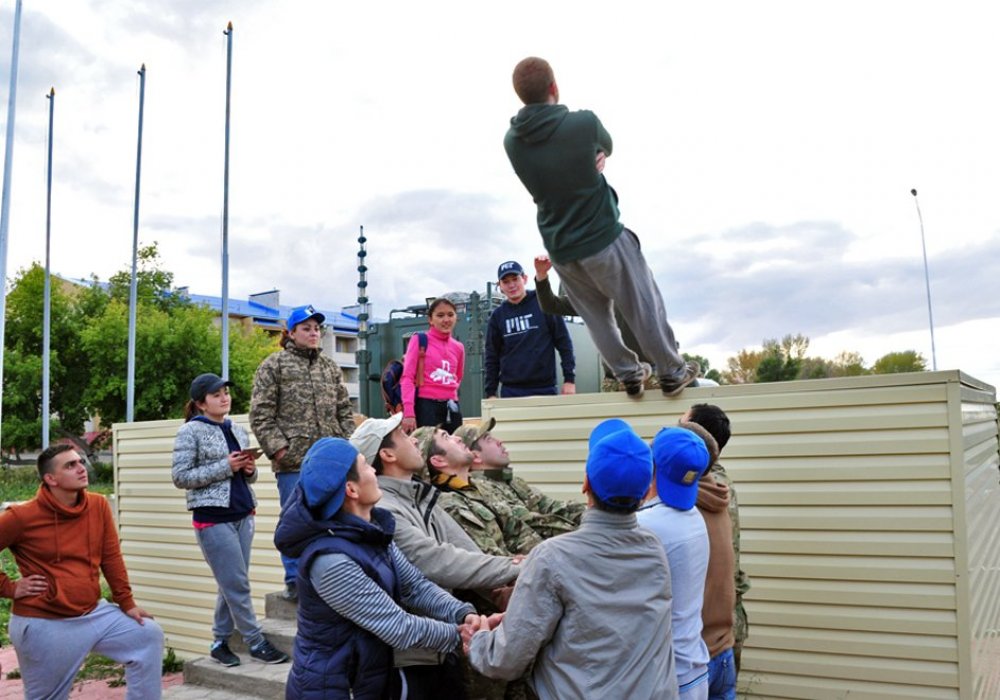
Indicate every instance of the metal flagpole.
{"type": "Point", "coordinates": [5, 201]}
{"type": "Point", "coordinates": [130, 400]}
{"type": "Point", "coordinates": [47, 308]}
{"type": "Point", "coordinates": [927, 280]}
{"type": "Point", "coordinates": [225, 210]}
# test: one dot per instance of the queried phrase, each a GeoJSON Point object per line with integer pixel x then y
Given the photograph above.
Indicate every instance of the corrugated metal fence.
{"type": "Point", "coordinates": [870, 521]}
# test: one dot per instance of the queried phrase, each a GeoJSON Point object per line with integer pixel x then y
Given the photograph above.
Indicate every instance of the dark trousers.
{"type": "Point", "coordinates": [443, 682]}
{"type": "Point", "coordinates": [433, 412]}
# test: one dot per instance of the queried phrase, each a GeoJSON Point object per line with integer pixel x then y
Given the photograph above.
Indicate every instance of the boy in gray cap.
{"type": "Point", "coordinates": [592, 607]}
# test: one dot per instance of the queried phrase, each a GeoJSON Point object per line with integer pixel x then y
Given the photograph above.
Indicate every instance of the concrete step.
{"type": "Point", "coordinates": [201, 692]}
{"type": "Point", "coordinates": [251, 679]}
{"type": "Point", "coordinates": [281, 633]}
{"type": "Point", "coordinates": [276, 607]}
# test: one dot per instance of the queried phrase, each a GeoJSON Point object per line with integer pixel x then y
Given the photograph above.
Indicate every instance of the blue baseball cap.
{"type": "Point", "coordinates": [681, 458]}
{"type": "Point", "coordinates": [619, 463]}
{"type": "Point", "coordinates": [511, 267]}
{"type": "Point", "coordinates": [303, 313]}
{"type": "Point", "coordinates": [323, 475]}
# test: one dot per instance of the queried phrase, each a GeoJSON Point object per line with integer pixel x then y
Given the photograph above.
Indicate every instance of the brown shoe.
{"type": "Point", "coordinates": [674, 387]}
{"type": "Point", "coordinates": [635, 387]}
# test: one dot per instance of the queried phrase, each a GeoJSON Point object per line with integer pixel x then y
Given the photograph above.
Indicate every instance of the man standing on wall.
{"type": "Point", "coordinates": [521, 341]}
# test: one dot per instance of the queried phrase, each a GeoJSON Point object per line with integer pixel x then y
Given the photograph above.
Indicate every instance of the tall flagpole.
{"type": "Point", "coordinates": [130, 399]}
{"type": "Point", "coordinates": [5, 201]}
{"type": "Point", "coordinates": [927, 280]}
{"type": "Point", "coordinates": [47, 308]}
{"type": "Point", "coordinates": [225, 210]}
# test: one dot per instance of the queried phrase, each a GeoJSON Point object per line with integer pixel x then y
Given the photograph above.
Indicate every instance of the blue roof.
{"type": "Point", "coordinates": [262, 315]}
{"type": "Point", "coordinates": [269, 316]}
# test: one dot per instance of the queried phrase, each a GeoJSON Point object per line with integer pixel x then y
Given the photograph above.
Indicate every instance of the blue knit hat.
{"type": "Point", "coordinates": [681, 458]}
{"type": "Point", "coordinates": [619, 464]}
{"type": "Point", "coordinates": [324, 475]}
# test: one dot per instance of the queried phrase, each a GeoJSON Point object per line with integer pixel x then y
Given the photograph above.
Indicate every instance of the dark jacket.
{"type": "Point", "coordinates": [553, 152]}
{"type": "Point", "coordinates": [520, 345]}
{"type": "Point", "coordinates": [335, 658]}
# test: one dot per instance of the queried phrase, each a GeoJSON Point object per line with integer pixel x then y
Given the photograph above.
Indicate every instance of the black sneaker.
{"type": "Point", "coordinates": [291, 592]}
{"type": "Point", "coordinates": [635, 387]}
{"type": "Point", "coordinates": [676, 386]}
{"type": "Point", "coordinates": [266, 652]}
{"type": "Point", "coordinates": [223, 655]}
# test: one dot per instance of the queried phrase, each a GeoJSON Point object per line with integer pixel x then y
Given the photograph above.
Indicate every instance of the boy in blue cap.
{"type": "Point", "coordinates": [681, 457]}
{"type": "Point", "coordinates": [353, 582]}
{"type": "Point", "coordinates": [521, 342]}
{"type": "Point", "coordinates": [592, 607]}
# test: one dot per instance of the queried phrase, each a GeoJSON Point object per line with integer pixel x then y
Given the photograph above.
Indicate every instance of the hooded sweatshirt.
{"type": "Point", "coordinates": [553, 152]}
{"type": "Point", "coordinates": [720, 588]}
{"type": "Point", "coordinates": [69, 546]}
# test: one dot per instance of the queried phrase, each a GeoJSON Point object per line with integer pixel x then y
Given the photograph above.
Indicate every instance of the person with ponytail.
{"type": "Point", "coordinates": [214, 462]}
{"type": "Point", "coordinates": [432, 372]}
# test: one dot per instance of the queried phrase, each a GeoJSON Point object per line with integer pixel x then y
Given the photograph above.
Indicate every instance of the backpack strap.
{"type": "Point", "coordinates": [422, 342]}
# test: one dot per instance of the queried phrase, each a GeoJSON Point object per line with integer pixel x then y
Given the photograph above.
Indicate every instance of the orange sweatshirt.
{"type": "Point", "coordinates": [720, 586]}
{"type": "Point", "coordinates": [69, 546]}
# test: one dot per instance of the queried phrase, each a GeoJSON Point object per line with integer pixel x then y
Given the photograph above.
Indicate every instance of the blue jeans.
{"type": "Point", "coordinates": [287, 481]}
{"type": "Point", "coordinates": [226, 547]}
{"type": "Point", "coordinates": [722, 676]}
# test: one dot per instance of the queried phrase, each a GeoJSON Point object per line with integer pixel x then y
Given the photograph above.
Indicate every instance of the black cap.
{"type": "Point", "coordinates": [205, 384]}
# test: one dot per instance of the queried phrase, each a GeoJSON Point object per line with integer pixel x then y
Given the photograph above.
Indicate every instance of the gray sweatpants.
{"type": "Point", "coordinates": [50, 651]}
{"type": "Point", "coordinates": [619, 278]}
{"type": "Point", "coordinates": [226, 547]}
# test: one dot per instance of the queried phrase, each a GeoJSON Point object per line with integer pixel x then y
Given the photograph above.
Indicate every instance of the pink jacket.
{"type": "Point", "coordinates": [444, 363]}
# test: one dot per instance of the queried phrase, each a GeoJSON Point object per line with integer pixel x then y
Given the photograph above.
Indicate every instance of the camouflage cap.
{"type": "Point", "coordinates": [470, 433]}
{"type": "Point", "coordinates": [425, 438]}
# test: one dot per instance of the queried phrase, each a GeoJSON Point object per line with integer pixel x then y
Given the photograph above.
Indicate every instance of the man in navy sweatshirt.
{"type": "Point", "coordinates": [521, 342]}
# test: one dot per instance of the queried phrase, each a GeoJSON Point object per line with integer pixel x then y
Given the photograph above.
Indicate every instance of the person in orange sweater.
{"type": "Point", "coordinates": [60, 540]}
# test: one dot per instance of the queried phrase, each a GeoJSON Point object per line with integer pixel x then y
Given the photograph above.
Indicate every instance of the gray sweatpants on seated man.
{"type": "Point", "coordinates": [50, 651]}
{"type": "Point", "coordinates": [619, 278]}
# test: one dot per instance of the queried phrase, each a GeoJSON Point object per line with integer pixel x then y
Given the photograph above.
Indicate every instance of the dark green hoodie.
{"type": "Point", "coordinates": [553, 152]}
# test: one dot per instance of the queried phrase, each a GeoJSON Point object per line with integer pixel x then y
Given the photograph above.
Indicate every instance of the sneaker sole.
{"type": "Point", "coordinates": [272, 661]}
{"type": "Point", "coordinates": [223, 663]}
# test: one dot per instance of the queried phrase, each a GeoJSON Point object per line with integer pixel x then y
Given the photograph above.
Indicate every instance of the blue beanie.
{"type": "Point", "coordinates": [619, 464]}
{"type": "Point", "coordinates": [324, 475]}
{"type": "Point", "coordinates": [681, 458]}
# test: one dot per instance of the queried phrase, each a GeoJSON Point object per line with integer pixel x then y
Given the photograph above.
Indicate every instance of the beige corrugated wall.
{"type": "Point", "coordinates": [870, 527]}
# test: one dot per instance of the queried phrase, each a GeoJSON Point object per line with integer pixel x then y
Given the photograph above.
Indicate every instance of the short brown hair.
{"type": "Point", "coordinates": [532, 78]}
{"type": "Point", "coordinates": [50, 453]}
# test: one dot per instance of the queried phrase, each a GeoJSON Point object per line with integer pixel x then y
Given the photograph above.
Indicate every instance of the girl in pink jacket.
{"type": "Point", "coordinates": [431, 377]}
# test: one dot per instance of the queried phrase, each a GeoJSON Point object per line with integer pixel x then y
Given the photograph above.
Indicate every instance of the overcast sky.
{"type": "Point", "coordinates": [764, 153]}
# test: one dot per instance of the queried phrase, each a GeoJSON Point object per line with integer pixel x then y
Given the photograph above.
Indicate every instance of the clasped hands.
{"type": "Point", "coordinates": [477, 623]}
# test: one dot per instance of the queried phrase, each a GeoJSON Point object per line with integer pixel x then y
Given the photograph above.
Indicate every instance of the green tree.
{"type": "Point", "coordinates": [22, 393]}
{"type": "Point", "coordinates": [782, 362]}
{"type": "Point", "coordinates": [849, 364]}
{"type": "Point", "coordinates": [905, 361]}
{"type": "Point", "coordinates": [153, 286]}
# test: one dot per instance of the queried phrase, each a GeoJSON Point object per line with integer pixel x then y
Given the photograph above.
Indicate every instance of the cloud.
{"type": "Point", "coordinates": [763, 281]}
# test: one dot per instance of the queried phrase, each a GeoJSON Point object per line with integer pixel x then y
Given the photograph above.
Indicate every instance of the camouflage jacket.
{"type": "Point", "coordinates": [741, 626]}
{"type": "Point", "coordinates": [546, 516]}
{"type": "Point", "coordinates": [298, 397]}
{"type": "Point", "coordinates": [495, 524]}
